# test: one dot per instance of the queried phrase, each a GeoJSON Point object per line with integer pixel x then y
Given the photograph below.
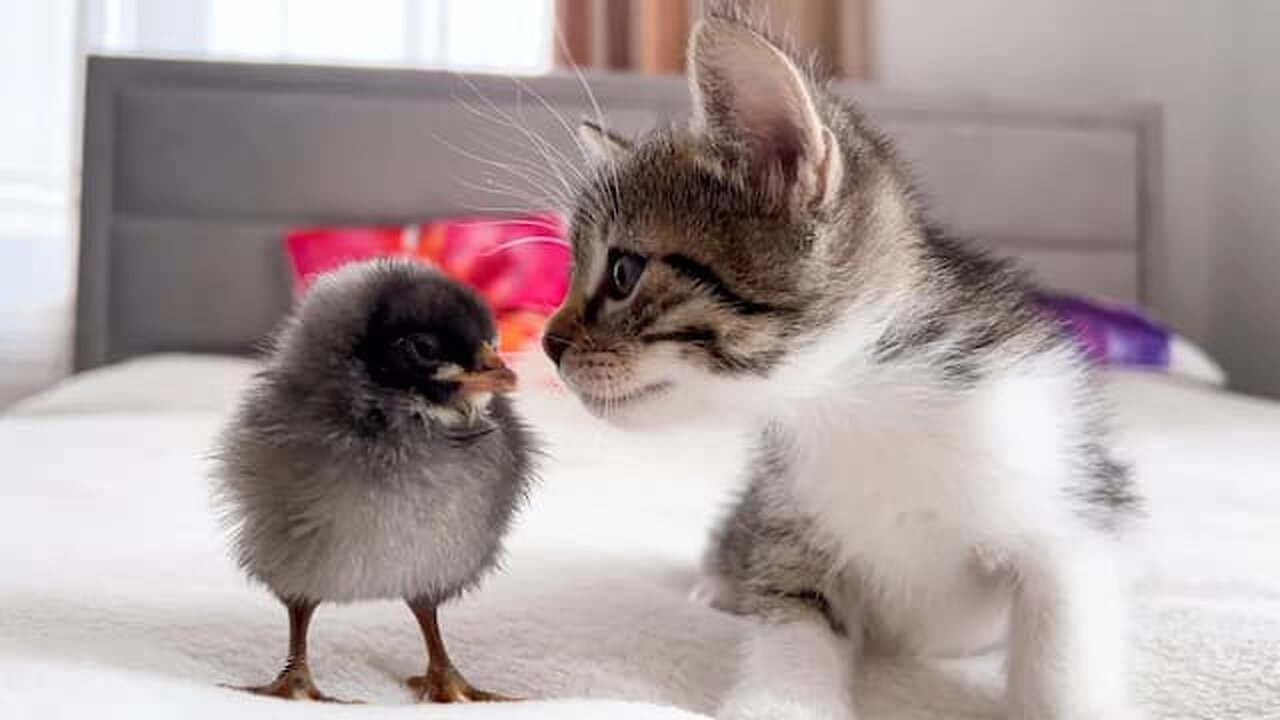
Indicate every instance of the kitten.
{"type": "Point", "coordinates": [932, 471]}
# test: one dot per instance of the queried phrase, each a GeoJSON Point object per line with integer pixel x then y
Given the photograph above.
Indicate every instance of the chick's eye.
{"type": "Point", "coordinates": [422, 348]}
{"type": "Point", "coordinates": [625, 270]}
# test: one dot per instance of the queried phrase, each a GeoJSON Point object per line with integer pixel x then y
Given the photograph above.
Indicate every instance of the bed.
{"type": "Point", "coordinates": [118, 598]}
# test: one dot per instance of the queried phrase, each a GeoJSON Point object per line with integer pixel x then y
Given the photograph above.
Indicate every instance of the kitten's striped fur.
{"type": "Point", "coordinates": [933, 470]}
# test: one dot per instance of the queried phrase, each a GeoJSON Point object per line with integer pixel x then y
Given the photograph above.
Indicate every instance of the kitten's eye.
{"type": "Point", "coordinates": [624, 272]}
{"type": "Point", "coordinates": [422, 348]}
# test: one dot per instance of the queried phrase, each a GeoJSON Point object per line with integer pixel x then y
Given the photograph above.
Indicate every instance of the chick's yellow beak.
{"type": "Point", "coordinates": [493, 375]}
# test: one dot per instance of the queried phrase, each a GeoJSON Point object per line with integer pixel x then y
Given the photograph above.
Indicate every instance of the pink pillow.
{"type": "Point", "coordinates": [519, 265]}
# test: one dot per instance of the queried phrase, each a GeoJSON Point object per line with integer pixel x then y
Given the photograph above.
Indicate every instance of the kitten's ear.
{"type": "Point", "coordinates": [602, 146]}
{"type": "Point", "coordinates": [752, 101]}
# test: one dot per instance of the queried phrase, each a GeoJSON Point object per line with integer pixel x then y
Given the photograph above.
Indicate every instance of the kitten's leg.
{"type": "Point", "coordinates": [1068, 634]}
{"type": "Point", "coordinates": [711, 590]}
{"type": "Point", "coordinates": [797, 662]}
{"type": "Point", "coordinates": [793, 667]}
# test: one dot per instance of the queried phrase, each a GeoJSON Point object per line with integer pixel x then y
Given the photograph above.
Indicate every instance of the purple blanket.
{"type": "Point", "coordinates": [1110, 334]}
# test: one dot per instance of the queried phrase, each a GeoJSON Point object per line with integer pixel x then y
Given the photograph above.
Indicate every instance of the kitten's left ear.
{"type": "Point", "coordinates": [751, 100]}
{"type": "Point", "coordinates": [602, 146]}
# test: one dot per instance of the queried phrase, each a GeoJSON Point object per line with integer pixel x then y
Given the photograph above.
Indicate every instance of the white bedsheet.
{"type": "Point", "coordinates": [117, 598]}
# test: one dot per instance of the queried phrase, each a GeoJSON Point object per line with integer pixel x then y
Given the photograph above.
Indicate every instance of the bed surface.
{"type": "Point", "coordinates": [118, 598]}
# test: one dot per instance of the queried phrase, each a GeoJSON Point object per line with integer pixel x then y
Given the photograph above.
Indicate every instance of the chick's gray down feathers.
{"type": "Point", "coordinates": [337, 487]}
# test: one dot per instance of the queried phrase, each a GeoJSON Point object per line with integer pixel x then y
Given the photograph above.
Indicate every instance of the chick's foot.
{"type": "Point", "coordinates": [294, 683]}
{"type": "Point", "coordinates": [448, 686]}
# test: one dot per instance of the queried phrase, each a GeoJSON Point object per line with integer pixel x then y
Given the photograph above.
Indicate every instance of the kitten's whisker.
{"type": "Point", "coordinates": [474, 209]}
{"type": "Point", "coordinates": [559, 117]}
{"type": "Point", "coordinates": [568, 163]}
{"type": "Point", "coordinates": [525, 201]}
{"type": "Point", "coordinates": [486, 161]}
{"type": "Point", "coordinates": [582, 79]}
{"type": "Point", "coordinates": [516, 158]}
{"type": "Point", "coordinates": [517, 165]}
{"type": "Point", "coordinates": [534, 175]}
{"type": "Point", "coordinates": [538, 142]}
{"type": "Point", "coordinates": [612, 170]}
{"type": "Point", "coordinates": [558, 339]}
{"type": "Point", "coordinates": [609, 405]}
{"type": "Point", "coordinates": [553, 229]}
{"type": "Point", "coordinates": [532, 138]}
{"type": "Point", "coordinates": [545, 179]}
{"type": "Point", "coordinates": [549, 149]}
{"type": "Point", "coordinates": [530, 240]}
{"type": "Point", "coordinates": [512, 192]}
{"type": "Point", "coordinates": [582, 328]}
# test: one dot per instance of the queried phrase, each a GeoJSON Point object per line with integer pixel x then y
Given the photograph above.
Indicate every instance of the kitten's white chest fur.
{"type": "Point", "coordinates": [926, 495]}
{"type": "Point", "coordinates": [949, 513]}
{"type": "Point", "coordinates": [933, 466]}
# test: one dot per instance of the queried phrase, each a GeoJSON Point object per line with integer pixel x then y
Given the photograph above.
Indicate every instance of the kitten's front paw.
{"type": "Point", "coordinates": [770, 706]}
{"type": "Point", "coordinates": [709, 590]}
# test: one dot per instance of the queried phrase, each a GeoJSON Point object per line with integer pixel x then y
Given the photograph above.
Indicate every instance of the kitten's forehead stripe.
{"type": "Point", "coordinates": [705, 276]}
{"type": "Point", "coordinates": [689, 334]}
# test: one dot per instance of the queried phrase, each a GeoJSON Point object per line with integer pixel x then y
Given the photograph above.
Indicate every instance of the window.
{"type": "Point", "coordinates": [42, 43]}
{"type": "Point", "coordinates": [497, 35]}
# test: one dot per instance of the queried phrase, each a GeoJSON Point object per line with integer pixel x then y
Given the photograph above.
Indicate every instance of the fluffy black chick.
{"type": "Point", "coordinates": [375, 456]}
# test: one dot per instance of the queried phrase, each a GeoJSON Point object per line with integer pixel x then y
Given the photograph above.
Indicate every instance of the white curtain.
{"type": "Point", "coordinates": [500, 35]}
{"type": "Point", "coordinates": [42, 46]}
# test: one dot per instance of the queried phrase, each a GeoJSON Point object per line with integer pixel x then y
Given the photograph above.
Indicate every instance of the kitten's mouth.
{"type": "Point", "coordinates": [606, 404]}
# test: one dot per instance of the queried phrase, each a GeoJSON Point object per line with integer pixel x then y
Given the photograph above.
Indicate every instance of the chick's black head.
{"type": "Point", "coordinates": [377, 345]}
{"type": "Point", "coordinates": [430, 336]}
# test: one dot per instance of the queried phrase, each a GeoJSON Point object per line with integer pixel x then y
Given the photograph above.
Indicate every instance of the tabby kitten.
{"type": "Point", "coordinates": [932, 471]}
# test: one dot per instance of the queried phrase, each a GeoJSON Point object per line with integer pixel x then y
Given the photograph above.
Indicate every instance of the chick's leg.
{"type": "Point", "coordinates": [294, 681]}
{"type": "Point", "coordinates": [442, 683]}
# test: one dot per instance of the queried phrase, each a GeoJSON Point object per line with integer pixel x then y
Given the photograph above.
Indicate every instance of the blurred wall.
{"type": "Point", "coordinates": [1208, 63]}
{"type": "Point", "coordinates": [1244, 324]}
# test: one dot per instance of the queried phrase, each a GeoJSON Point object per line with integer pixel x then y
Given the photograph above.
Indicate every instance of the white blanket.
{"type": "Point", "coordinates": [117, 598]}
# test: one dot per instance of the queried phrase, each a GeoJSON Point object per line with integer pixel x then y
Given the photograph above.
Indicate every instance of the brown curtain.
{"type": "Point", "coordinates": [649, 36]}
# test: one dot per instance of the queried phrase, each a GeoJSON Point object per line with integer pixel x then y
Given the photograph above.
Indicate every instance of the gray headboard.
{"type": "Point", "coordinates": [192, 171]}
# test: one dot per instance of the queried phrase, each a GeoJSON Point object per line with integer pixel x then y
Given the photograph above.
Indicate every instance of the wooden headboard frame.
{"type": "Point", "coordinates": [192, 170]}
